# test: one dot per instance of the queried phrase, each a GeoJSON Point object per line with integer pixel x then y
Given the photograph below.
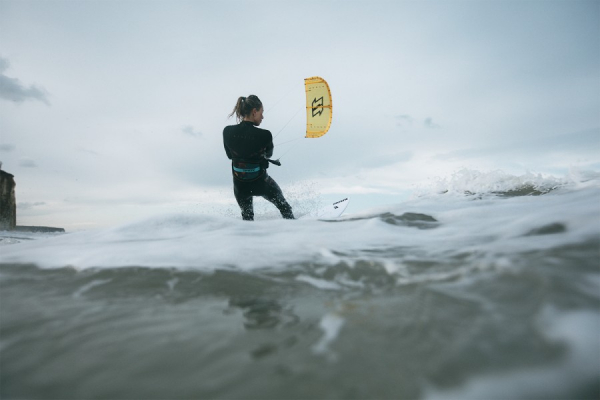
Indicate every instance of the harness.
{"type": "Point", "coordinates": [247, 171]}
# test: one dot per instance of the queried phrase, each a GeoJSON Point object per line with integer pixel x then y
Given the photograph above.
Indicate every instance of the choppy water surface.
{"type": "Point", "coordinates": [490, 291]}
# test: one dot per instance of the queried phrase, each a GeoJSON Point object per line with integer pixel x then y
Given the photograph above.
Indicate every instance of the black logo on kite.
{"type": "Point", "coordinates": [317, 103]}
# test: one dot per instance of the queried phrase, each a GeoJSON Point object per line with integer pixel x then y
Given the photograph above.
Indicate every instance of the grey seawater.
{"type": "Point", "coordinates": [313, 331]}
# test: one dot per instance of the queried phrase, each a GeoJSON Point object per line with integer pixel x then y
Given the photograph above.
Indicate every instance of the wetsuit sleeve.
{"type": "Point", "coordinates": [269, 148]}
{"type": "Point", "coordinates": [225, 146]}
{"type": "Point", "coordinates": [227, 151]}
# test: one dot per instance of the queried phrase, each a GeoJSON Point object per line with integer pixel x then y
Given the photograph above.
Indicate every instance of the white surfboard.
{"type": "Point", "coordinates": [331, 210]}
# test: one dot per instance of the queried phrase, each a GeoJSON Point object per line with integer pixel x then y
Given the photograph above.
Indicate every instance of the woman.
{"type": "Point", "coordinates": [249, 148]}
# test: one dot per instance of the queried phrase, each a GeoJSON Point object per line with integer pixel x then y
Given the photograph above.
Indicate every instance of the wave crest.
{"type": "Point", "coordinates": [499, 183]}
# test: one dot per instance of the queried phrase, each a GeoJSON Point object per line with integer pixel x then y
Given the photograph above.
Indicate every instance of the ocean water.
{"type": "Point", "coordinates": [481, 286]}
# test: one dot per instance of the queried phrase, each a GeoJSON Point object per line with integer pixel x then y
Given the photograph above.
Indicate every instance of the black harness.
{"type": "Point", "coordinates": [250, 170]}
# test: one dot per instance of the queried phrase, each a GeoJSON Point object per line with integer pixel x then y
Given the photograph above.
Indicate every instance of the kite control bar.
{"type": "Point", "coordinates": [276, 162]}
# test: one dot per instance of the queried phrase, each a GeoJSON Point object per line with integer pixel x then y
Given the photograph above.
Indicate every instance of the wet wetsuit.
{"type": "Point", "coordinates": [248, 147]}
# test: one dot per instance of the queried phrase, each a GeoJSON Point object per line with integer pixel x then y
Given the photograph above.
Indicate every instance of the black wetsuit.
{"type": "Point", "coordinates": [248, 148]}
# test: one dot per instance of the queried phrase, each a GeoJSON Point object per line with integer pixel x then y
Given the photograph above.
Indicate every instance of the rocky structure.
{"type": "Point", "coordinates": [8, 207]}
{"type": "Point", "coordinates": [40, 229]}
{"type": "Point", "coordinates": [8, 204]}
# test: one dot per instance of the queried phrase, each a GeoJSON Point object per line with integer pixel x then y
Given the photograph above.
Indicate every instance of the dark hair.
{"type": "Point", "coordinates": [245, 105]}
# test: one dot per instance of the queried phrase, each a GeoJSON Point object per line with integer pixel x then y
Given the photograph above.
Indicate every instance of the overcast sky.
{"type": "Point", "coordinates": [113, 110]}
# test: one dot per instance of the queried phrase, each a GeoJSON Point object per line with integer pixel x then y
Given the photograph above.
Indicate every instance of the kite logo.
{"type": "Point", "coordinates": [317, 106]}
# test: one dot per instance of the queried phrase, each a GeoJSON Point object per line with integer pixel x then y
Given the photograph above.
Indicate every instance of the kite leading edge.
{"type": "Point", "coordinates": [318, 107]}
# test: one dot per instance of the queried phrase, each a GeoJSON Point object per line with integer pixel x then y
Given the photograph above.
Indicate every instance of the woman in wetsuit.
{"type": "Point", "coordinates": [248, 147]}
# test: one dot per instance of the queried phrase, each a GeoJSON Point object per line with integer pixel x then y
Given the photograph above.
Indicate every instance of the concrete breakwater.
{"type": "Point", "coordinates": [8, 207]}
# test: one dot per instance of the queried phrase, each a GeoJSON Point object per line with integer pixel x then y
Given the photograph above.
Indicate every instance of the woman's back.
{"type": "Point", "coordinates": [247, 142]}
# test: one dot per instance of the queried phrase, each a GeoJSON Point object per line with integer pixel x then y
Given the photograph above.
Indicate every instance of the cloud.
{"type": "Point", "coordinates": [27, 163]}
{"type": "Point", "coordinates": [12, 89]}
{"type": "Point", "coordinates": [404, 119]}
{"type": "Point", "coordinates": [7, 147]}
{"type": "Point", "coordinates": [88, 151]}
{"type": "Point", "coordinates": [383, 160]}
{"type": "Point", "coordinates": [582, 142]}
{"type": "Point", "coordinates": [189, 130]}
{"type": "Point", "coordinates": [28, 206]}
{"type": "Point", "coordinates": [430, 124]}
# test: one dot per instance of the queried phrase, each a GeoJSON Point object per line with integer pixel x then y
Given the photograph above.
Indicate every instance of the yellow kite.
{"type": "Point", "coordinates": [318, 107]}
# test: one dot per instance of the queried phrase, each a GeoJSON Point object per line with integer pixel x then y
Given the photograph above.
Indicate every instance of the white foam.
{"type": "Point", "coordinates": [498, 181]}
{"type": "Point", "coordinates": [492, 228]}
{"type": "Point", "coordinates": [87, 287]}
{"type": "Point", "coordinates": [318, 283]}
{"type": "Point", "coordinates": [579, 330]}
{"type": "Point", "coordinates": [331, 324]}
{"type": "Point", "coordinates": [171, 283]}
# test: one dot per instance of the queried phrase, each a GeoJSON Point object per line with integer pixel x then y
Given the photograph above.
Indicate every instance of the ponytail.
{"type": "Point", "coordinates": [244, 106]}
